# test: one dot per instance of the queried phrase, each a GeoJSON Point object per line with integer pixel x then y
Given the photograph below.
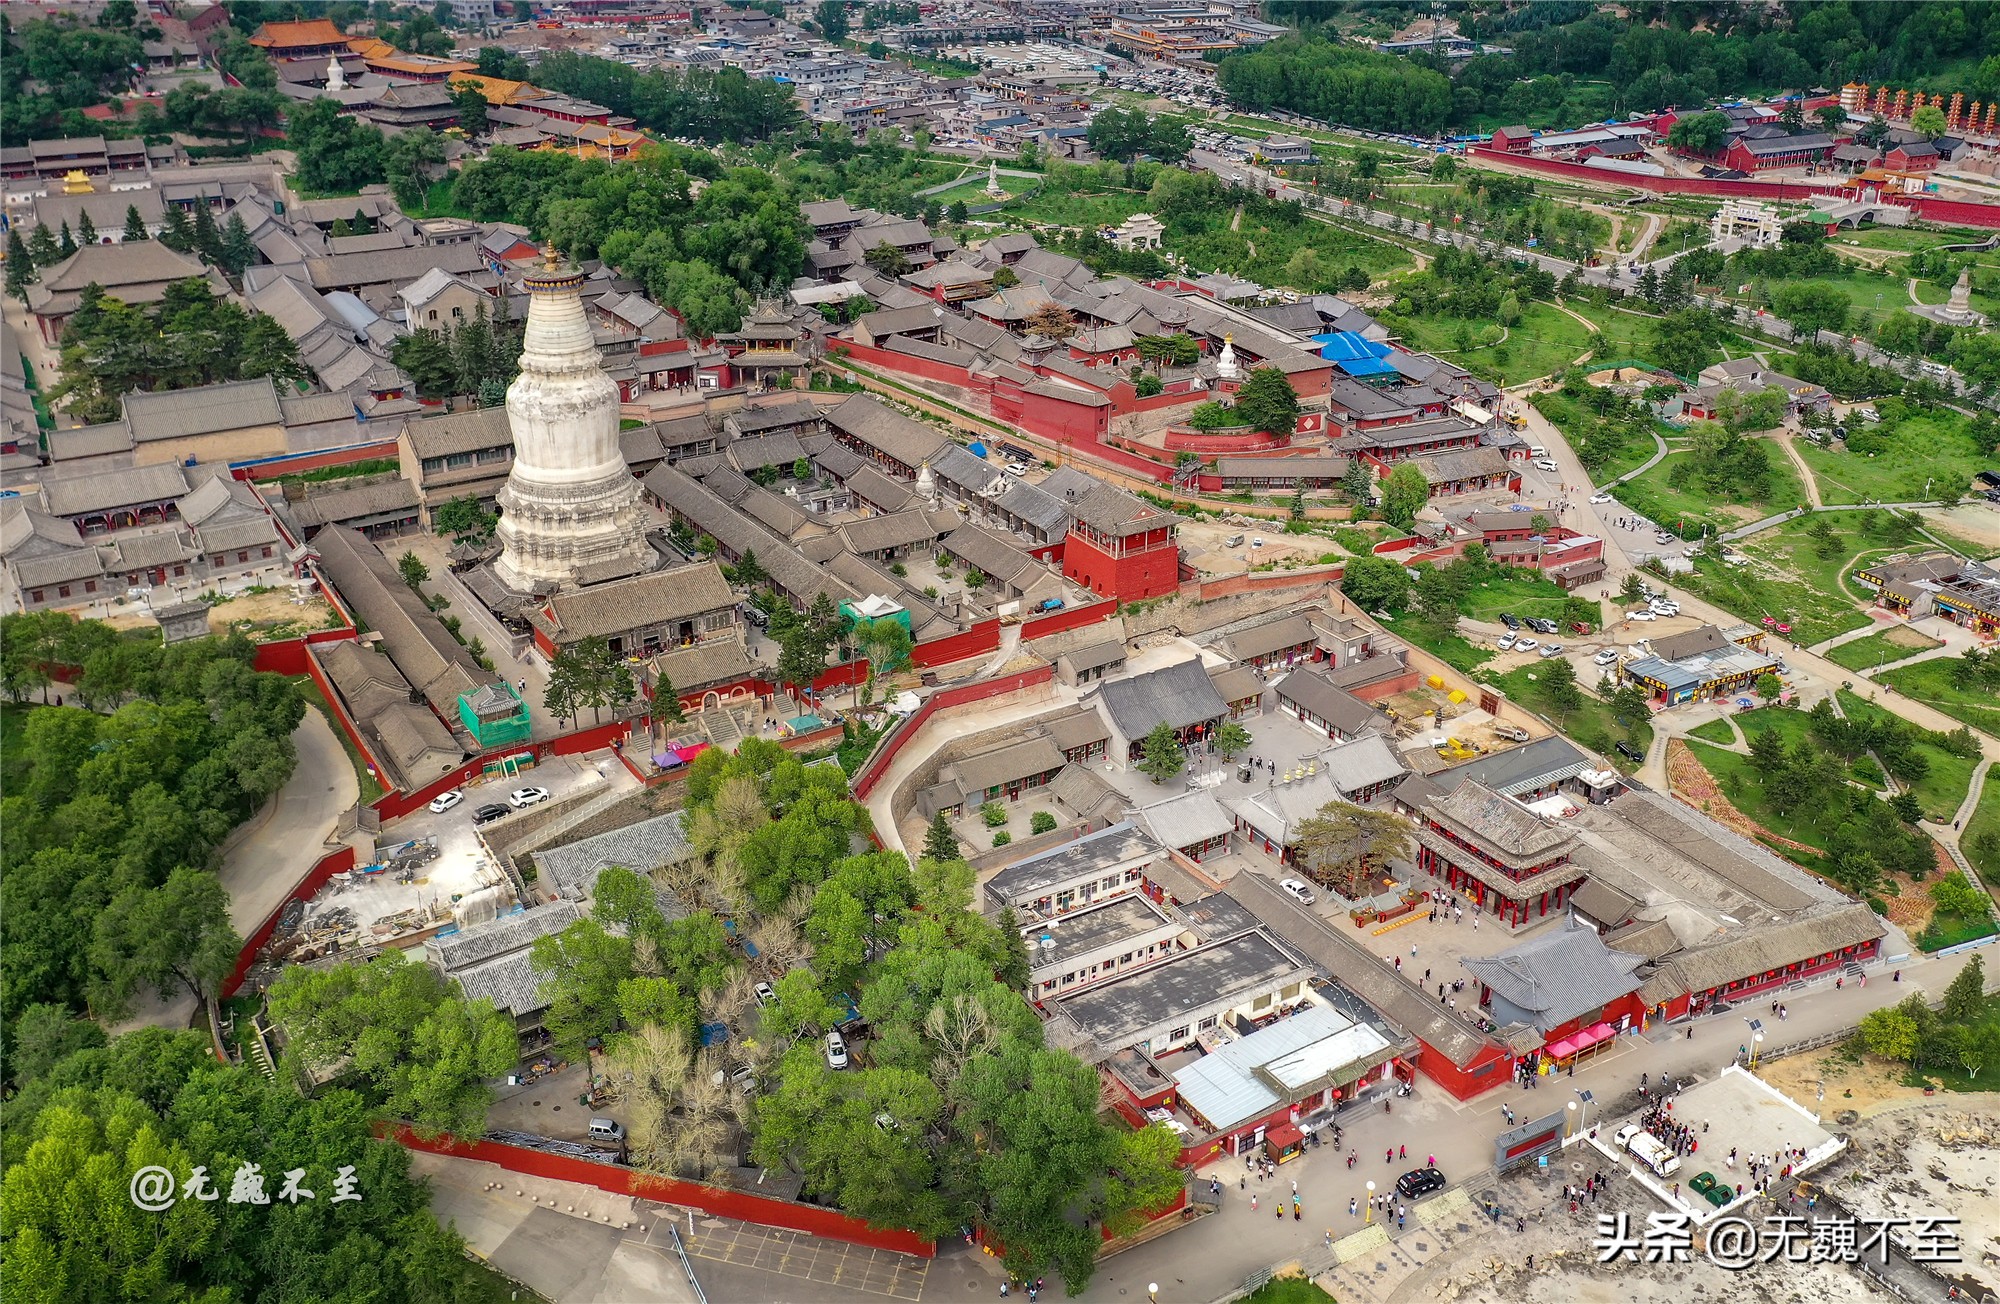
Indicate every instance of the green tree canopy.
{"type": "Point", "coordinates": [1268, 402]}
{"type": "Point", "coordinates": [1404, 494]}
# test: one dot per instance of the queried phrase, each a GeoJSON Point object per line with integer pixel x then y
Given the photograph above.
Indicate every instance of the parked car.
{"type": "Point", "coordinates": [1526, 644]}
{"type": "Point", "coordinates": [607, 1129]}
{"type": "Point", "coordinates": [1543, 625]}
{"type": "Point", "coordinates": [1600, 498]}
{"type": "Point", "coordinates": [522, 798]}
{"type": "Point", "coordinates": [755, 615]}
{"type": "Point", "coordinates": [1606, 656]}
{"type": "Point", "coordinates": [1545, 464]}
{"type": "Point", "coordinates": [444, 801]}
{"type": "Point", "coordinates": [765, 993]}
{"type": "Point", "coordinates": [1256, 543]}
{"type": "Point", "coordinates": [1513, 733]}
{"type": "Point", "coordinates": [1017, 468]}
{"type": "Point", "coordinates": [1296, 890]}
{"type": "Point", "coordinates": [1419, 1182]}
{"type": "Point", "coordinates": [1641, 614]}
{"type": "Point", "coordinates": [1664, 536]}
{"type": "Point", "coordinates": [1630, 753]}
{"type": "Point", "coordinates": [487, 814]}
{"type": "Point", "coordinates": [1506, 643]}
{"type": "Point", "coordinates": [1510, 620]}
{"type": "Point", "coordinates": [836, 1051]}
{"type": "Point", "coordinates": [1551, 650]}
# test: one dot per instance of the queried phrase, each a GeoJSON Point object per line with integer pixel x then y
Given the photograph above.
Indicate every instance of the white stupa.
{"type": "Point", "coordinates": [569, 502]}
{"type": "Point", "coordinates": [336, 76]}
{"type": "Point", "coordinates": [927, 485]}
{"type": "Point", "coordinates": [1225, 361]}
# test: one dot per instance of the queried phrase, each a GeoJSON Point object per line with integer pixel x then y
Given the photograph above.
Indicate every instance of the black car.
{"type": "Point", "coordinates": [1419, 1181]}
{"type": "Point", "coordinates": [1631, 753]}
{"type": "Point", "coordinates": [1541, 625]}
{"type": "Point", "coordinates": [487, 814]}
{"type": "Point", "coordinates": [1510, 620]}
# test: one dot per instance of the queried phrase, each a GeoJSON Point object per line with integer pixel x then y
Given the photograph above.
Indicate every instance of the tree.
{"type": "Point", "coordinates": [43, 1036]}
{"type": "Point", "coordinates": [831, 15]}
{"type": "Point", "coordinates": [66, 242]}
{"type": "Point", "coordinates": [86, 230]}
{"type": "Point", "coordinates": [1358, 482]}
{"type": "Point", "coordinates": [1700, 133]}
{"type": "Point", "coordinates": [335, 152]}
{"type": "Point", "coordinates": [1051, 321]}
{"type": "Point", "coordinates": [1929, 122]}
{"type": "Point", "coordinates": [887, 645]}
{"type": "Point", "coordinates": [1148, 385]}
{"type": "Point", "coordinates": [1831, 118]}
{"type": "Point", "coordinates": [20, 264]}
{"type": "Point", "coordinates": [470, 104]}
{"type": "Point", "coordinates": [886, 259]}
{"type": "Point", "coordinates": [1230, 739]}
{"type": "Point", "coordinates": [1375, 583]}
{"type": "Point", "coordinates": [178, 932]}
{"type": "Point", "coordinates": [1161, 756]}
{"type": "Point", "coordinates": [463, 518]}
{"type": "Point", "coordinates": [1811, 307]}
{"type": "Point", "coordinates": [1341, 845]}
{"type": "Point", "coordinates": [1558, 683]}
{"type": "Point", "coordinates": [667, 707]}
{"type": "Point", "coordinates": [1268, 402]}
{"type": "Point", "coordinates": [427, 1054]}
{"type": "Point", "coordinates": [1404, 494]}
{"type": "Point", "coordinates": [411, 567]}
{"type": "Point", "coordinates": [1955, 894]}
{"type": "Point", "coordinates": [1874, 131]}
{"type": "Point", "coordinates": [940, 843]}
{"type": "Point", "coordinates": [1769, 686]}
{"type": "Point", "coordinates": [42, 248]}
{"type": "Point", "coordinates": [1890, 1033]}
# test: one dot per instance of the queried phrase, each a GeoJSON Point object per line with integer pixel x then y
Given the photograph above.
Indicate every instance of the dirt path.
{"type": "Point", "coordinates": [1784, 441]}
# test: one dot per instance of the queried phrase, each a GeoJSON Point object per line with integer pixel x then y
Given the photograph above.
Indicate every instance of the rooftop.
{"type": "Point", "coordinates": [1119, 1012]}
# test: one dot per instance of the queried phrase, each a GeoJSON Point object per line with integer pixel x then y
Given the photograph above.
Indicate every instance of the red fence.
{"type": "Point", "coordinates": [1929, 207]}
{"type": "Point", "coordinates": [338, 862]}
{"type": "Point", "coordinates": [1068, 618]}
{"type": "Point", "coordinates": [720, 1201]}
{"type": "Point", "coordinates": [878, 765]}
{"type": "Point", "coordinates": [980, 639]}
{"type": "Point", "coordinates": [271, 468]}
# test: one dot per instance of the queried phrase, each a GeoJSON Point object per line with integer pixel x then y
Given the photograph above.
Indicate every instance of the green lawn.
{"type": "Point", "coordinates": [1685, 510]}
{"type": "Point", "coordinates": [1934, 449]}
{"type": "Point", "coordinates": [1715, 731]}
{"type": "Point", "coordinates": [310, 694]}
{"type": "Point", "coordinates": [1591, 724]}
{"type": "Point", "coordinates": [1872, 296]}
{"type": "Point", "coordinates": [1980, 839]}
{"type": "Point", "coordinates": [1737, 775]}
{"type": "Point", "coordinates": [1930, 682]}
{"type": "Point", "coordinates": [1943, 787]}
{"type": "Point", "coordinates": [1524, 595]}
{"type": "Point", "coordinates": [1789, 581]}
{"type": "Point", "coordinates": [1544, 341]}
{"type": "Point", "coordinates": [1864, 654]}
{"type": "Point", "coordinates": [1903, 239]}
{"type": "Point", "coordinates": [1288, 1290]}
{"type": "Point", "coordinates": [1454, 651]}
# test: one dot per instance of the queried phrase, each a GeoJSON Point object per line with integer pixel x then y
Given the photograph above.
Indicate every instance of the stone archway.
{"type": "Point", "coordinates": [710, 700]}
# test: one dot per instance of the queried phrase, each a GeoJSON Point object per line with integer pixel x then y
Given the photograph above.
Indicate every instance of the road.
{"type": "Point", "coordinates": [288, 836]}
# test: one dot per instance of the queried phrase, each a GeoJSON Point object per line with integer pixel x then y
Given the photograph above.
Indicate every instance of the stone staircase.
{"type": "Point", "coordinates": [722, 729]}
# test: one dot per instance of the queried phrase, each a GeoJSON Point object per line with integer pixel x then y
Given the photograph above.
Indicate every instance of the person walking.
{"type": "Point", "coordinates": [1253, 1202]}
{"type": "Point", "coordinates": [1353, 1207]}
{"type": "Point", "coordinates": [1402, 1152]}
{"type": "Point", "coordinates": [1389, 1155]}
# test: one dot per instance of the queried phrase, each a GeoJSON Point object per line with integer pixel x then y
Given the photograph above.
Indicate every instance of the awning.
{"type": "Point", "coordinates": [1602, 1032]}
{"type": "Point", "coordinates": [1283, 1137]}
{"type": "Point", "coordinates": [1561, 1049]}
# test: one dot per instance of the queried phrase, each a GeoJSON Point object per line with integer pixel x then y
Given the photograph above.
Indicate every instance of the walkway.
{"type": "Point", "coordinates": [1783, 439]}
{"type": "Point", "coordinates": [1745, 531]}
{"type": "Point", "coordinates": [263, 867]}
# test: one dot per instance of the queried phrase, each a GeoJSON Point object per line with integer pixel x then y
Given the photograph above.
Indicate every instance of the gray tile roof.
{"type": "Point", "coordinates": [572, 869]}
{"type": "Point", "coordinates": [461, 432]}
{"type": "Point", "coordinates": [642, 600]}
{"type": "Point", "coordinates": [1178, 695]}
{"type": "Point", "coordinates": [76, 495]}
{"type": "Point", "coordinates": [1313, 692]}
{"type": "Point", "coordinates": [416, 640]}
{"type": "Point", "coordinates": [1558, 975]}
{"type": "Point", "coordinates": [874, 423]}
{"type": "Point", "coordinates": [1519, 769]}
{"type": "Point", "coordinates": [1185, 820]}
{"type": "Point", "coordinates": [176, 414]}
{"type": "Point", "coordinates": [1112, 511]}
{"type": "Point", "coordinates": [1286, 631]}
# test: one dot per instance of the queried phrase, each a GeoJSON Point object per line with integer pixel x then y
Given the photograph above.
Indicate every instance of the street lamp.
{"type": "Point", "coordinates": [1369, 1217]}
{"type": "Point", "coordinates": [1571, 1131]}
{"type": "Point", "coordinates": [1153, 1291]}
{"type": "Point", "coordinates": [1756, 1043]}
{"type": "Point", "coordinates": [1584, 1094]}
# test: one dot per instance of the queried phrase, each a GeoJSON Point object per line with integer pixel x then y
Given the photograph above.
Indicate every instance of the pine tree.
{"type": "Point", "coordinates": [66, 243]}
{"type": "Point", "coordinates": [1649, 285]}
{"type": "Point", "coordinates": [237, 251]}
{"type": "Point", "coordinates": [940, 843]}
{"type": "Point", "coordinates": [177, 235]}
{"type": "Point", "coordinates": [42, 249]}
{"type": "Point", "coordinates": [1965, 994]}
{"type": "Point", "coordinates": [207, 239]}
{"type": "Point", "coordinates": [472, 352]}
{"type": "Point", "coordinates": [86, 230]}
{"type": "Point", "coordinates": [135, 226]}
{"type": "Point", "coordinates": [20, 265]}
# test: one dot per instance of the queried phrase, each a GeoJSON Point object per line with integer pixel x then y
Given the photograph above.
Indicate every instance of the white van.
{"type": "Point", "coordinates": [1536, 450]}
{"type": "Point", "coordinates": [607, 1129]}
{"type": "Point", "coordinates": [1649, 1150]}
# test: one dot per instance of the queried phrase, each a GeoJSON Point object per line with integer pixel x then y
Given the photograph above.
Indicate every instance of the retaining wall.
{"type": "Point", "coordinates": [762, 1210]}
{"type": "Point", "coordinates": [878, 765]}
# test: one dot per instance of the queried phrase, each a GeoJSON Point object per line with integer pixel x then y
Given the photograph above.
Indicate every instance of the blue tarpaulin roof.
{"type": "Point", "coordinates": [1354, 354]}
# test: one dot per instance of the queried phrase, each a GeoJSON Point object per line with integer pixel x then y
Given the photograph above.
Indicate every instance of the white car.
{"type": "Point", "coordinates": [1545, 464]}
{"type": "Point", "coordinates": [1256, 543]}
{"type": "Point", "coordinates": [766, 994]}
{"type": "Point", "coordinates": [1526, 644]}
{"type": "Point", "coordinates": [1664, 536]}
{"type": "Point", "coordinates": [522, 798]}
{"type": "Point", "coordinates": [1296, 890]}
{"type": "Point", "coordinates": [836, 1051]}
{"type": "Point", "coordinates": [444, 801]}
{"type": "Point", "coordinates": [1641, 614]}
{"type": "Point", "coordinates": [1606, 656]}
{"type": "Point", "coordinates": [1551, 650]}
{"type": "Point", "coordinates": [1600, 498]}
{"type": "Point", "coordinates": [1017, 468]}
{"type": "Point", "coordinates": [1506, 643]}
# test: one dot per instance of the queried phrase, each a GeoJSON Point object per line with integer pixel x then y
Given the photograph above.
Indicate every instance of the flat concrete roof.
{"type": "Point", "coordinates": [1085, 931]}
{"type": "Point", "coordinates": [1114, 1014]}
